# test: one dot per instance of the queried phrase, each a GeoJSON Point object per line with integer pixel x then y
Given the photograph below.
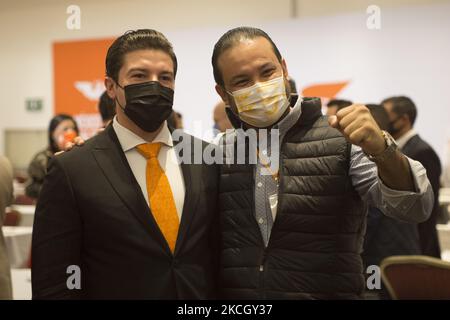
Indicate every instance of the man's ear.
{"type": "Point", "coordinates": [110, 87]}
{"type": "Point", "coordinates": [222, 93]}
{"type": "Point", "coordinates": [284, 67]}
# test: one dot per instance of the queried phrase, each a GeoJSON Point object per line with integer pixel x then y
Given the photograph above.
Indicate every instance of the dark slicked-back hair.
{"type": "Point", "coordinates": [380, 115]}
{"type": "Point", "coordinates": [233, 37]}
{"type": "Point", "coordinates": [403, 105]}
{"type": "Point", "coordinates": [136, 40]}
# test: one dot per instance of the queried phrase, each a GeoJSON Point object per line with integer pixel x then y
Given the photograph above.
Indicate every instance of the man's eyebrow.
{"type": "Point", "coordinates": [243, 75]}
{"type": "Point", "coordinates": [167, 73]}
{"type": "Point", "coordinates": [266, 65]}
{"type": "Point", "coordinates": [137, 69]}
{"type": "Point", "coordinates": [239, 76]}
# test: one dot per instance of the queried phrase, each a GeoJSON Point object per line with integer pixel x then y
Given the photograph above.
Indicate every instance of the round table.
{"type": "Point", "coordinates": [18, 245]}
{"type": "Point", "coordinates": [26, 213]}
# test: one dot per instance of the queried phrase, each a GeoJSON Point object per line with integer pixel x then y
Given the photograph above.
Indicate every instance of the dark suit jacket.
{"type": "Point", "coordinates": [421, 151]}
{"type": "Point", "coordinates": [91, 213]}
{"type": "Point", "coordinates": [386, 236]}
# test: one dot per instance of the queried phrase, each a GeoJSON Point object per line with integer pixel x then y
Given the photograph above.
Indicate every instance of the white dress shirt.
{"type": "Point", "coordinates": [167, 160]}
{"type": "Point", "coordinates": [405, 206]}
{"type": "Point", "coordinates": [403, 140]}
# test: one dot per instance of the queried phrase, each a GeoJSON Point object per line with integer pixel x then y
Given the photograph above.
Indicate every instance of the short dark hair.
{"type": "Point", "coordinates": [230, 39]}
{"type": "Point", "coordinates": [339, 103]}
{"type": "Point", "coordinates": [106, 107]}
{"type": "Point", "coordinates": [380, 115]}
{"type": "Point", "coordinates": [403, 105]}
{"type": "Point", "coordinates": [136, 40]}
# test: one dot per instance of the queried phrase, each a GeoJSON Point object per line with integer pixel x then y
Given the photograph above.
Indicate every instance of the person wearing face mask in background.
{"type": "Point", "coordinates": [138, 224]}
{"type": "Point", "coordinates": [297, 233]}
{"type": "Point", "coordinates": [402, 115]}
{"type": "Point", "coordinates": [61, 131]}
{"type": "Point", "coordinates": [386, 236]}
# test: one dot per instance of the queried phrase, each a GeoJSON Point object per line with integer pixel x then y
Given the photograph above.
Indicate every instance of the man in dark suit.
{"type": "Point", "coordinates": [120, 218]}
{"type": "Point", "coordinates": [386, 236]}
{"type": "Point", "coordinates": [402, 114]}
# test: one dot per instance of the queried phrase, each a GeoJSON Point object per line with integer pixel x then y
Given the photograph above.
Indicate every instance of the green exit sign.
{"type": "Point", "coordinates": [34, 105]}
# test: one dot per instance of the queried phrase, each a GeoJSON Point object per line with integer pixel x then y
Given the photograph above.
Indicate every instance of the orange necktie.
{"type": "Point", "coordinates": [160, 194]}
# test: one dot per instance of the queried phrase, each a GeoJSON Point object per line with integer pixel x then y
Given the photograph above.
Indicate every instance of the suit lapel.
{"type": "Point", "coordinates": [409, 146]}
{"type": "Point", "coordinates": [112, 161]}
{"type": "Point", "coordinates": [192, 181]}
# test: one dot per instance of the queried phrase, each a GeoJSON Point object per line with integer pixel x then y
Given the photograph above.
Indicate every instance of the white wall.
{"type": "Point", "coordinates": [407, 56]}
{"type": "Point", "coordinates": [28, 29]}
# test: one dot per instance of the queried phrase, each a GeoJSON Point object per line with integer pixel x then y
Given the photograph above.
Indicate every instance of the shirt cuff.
{"type": "Point", "coordinates": [403, 201]}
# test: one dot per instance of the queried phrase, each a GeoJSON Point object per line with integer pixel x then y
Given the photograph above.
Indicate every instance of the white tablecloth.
{"type": "Point", "coordinates": [21, 282]}
{"type": "Point", "coordinates": [18, 245]}
{"type": "Point", "coordinates": [27, 214]}
{"type": "Point", "coordinates": [444, 240]}
{"type": "Point", "coordinates": [444, 196]}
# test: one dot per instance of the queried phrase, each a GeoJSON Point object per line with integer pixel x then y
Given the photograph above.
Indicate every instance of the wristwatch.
{"type": "Point", "coordinates": [391, 147]}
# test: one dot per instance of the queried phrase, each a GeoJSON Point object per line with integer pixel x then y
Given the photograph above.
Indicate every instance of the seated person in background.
{"type": "Point", "coordinates": [335, 105]}
{"type": "Point", "coordinates": [6, 197]}
{"type": "Point", "coordinates": [386, 236]}
{"type": "Point", "coordinates": [107, 109]}
{"type": "Point", "coordinates": [62, 129]}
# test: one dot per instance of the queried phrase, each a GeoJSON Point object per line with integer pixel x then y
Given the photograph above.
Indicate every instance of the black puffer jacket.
{"type": "Point", "coordinates": [316, 241]}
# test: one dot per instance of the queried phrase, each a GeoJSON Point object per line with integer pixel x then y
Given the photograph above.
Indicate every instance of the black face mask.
{"type": "Point", "coordinates": [393, 130]}
{"type": "Point", "coordinates": [148, 104]}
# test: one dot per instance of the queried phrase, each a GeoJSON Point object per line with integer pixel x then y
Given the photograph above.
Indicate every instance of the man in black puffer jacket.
{"type": "Point", "coordinates": [296, 231]}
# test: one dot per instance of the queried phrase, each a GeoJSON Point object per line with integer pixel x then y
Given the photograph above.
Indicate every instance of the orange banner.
{"type": "Point", "coordinates": [324, 90]}
{"type": "Point", "coordinates": [79, 71]}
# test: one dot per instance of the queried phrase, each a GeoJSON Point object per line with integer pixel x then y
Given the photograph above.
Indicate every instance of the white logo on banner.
{"type": "Point", "coordinates": [92, 90]}
{"type": "Point", "coordinates": [88, 123]}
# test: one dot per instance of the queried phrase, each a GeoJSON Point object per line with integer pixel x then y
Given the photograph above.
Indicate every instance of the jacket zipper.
{"type": "Point", "coordinates": [280, 177]}
{"type": "Point", "coordinates": [263, 258]}
{"type": "Point", "coordinates": [261, 276]}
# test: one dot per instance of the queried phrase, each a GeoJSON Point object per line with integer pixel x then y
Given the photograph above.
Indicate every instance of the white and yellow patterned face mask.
{"type": "Point", "coordinates": [262, 104]}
